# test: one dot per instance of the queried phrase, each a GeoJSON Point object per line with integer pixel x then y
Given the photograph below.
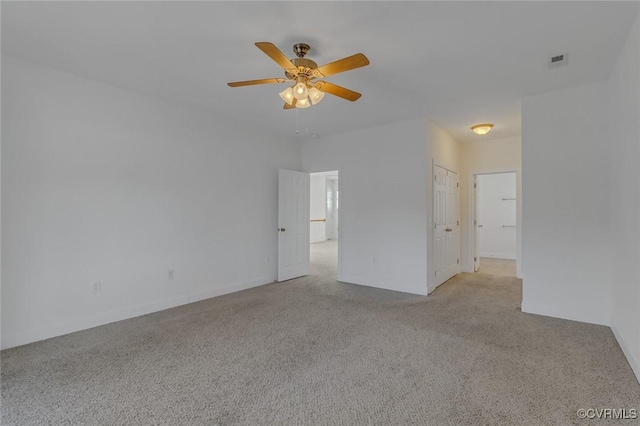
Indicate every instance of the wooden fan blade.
{"type": "Point", "coordinates": [341, 92]}
{"type": "Point", "coordinates": [292, 106]}
{"type": "Point", "coordinates": [352, 62]}
{"type": "Point", "coordinates": [274, 53]}
{"type": "Point", "coordinates": [252, 82]}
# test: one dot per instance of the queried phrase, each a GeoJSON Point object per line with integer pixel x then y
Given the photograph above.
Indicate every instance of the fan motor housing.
{"type": "Point", "coordinates": [304, 66]}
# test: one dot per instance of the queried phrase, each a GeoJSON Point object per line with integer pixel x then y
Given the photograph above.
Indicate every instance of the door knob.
{"type": "Point", "coordinates": [448, 230]}
{"type": "Point", "coordinates": [282, 229]}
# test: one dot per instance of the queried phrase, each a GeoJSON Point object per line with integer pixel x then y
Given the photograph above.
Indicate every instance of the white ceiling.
{"type": "Point", "coordinates": [457, 63]}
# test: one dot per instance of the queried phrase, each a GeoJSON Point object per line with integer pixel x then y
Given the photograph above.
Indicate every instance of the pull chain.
{"type": "Point", "coordinates": [297, 121]}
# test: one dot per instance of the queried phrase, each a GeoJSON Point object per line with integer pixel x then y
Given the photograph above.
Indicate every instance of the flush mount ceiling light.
{"type": "Point", "coordinates": [303, 72]}
{"type": "Point", "coordinates": [482, 129]}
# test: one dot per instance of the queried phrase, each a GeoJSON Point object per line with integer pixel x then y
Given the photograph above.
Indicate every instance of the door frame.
{"type": "Point", "coordinates": [471, 213]}
{"type": "Point", "coordinates": [340, 223]}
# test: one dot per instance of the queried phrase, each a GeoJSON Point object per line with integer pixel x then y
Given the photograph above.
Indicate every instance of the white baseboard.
{"type": "Point", "coordinates": [59, 329]}
{"type": "Point", "coordinates": [499, 255]}
{"type": "Point", "coordinates": [634, 363]}
{"type": "Point", "coordinates": [54, 330]}
{"type": "Point", "coordinates": [356, 281]}
{"type": "Point", "coordinates": [531, 308]}
{"type": "Point", "coordinates": [221, 291]}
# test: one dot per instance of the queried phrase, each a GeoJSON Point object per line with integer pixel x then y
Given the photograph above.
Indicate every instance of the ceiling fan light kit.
{"type": "Point", "coordinates": [300, 90]}
{"type": "Point", "coordinates": [315, 95]}
{"type": "Point", "coordinates": [303, 103]}
{"type": "Point", "coordinates": [303, 72]}
{"type": "Point", "coordinates": [287, 95]}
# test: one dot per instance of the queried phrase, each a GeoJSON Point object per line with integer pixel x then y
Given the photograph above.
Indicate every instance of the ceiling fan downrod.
{"type": "Point", "coordinates": [301, 49]}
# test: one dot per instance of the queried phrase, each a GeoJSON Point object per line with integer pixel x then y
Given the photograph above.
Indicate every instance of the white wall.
{"type": "Point", "coordinates": [489, 156]}
{"type": "Point", "coordinates": [623, 139]}
{"type": "Point", "coordinates": [101, 184]}
{"type": "Point", "coordinates": [566, 228]}
{"type": "Point", "coordinates": [497, 237]}
{"type": "Point", "coordinates": [383, 190]}
{"type": "Point", "coordinates": [445, 151]}
{"type": "Point", "coordinates": [581, 150]}
{"type": "Point", "coordinates": [318, 208]}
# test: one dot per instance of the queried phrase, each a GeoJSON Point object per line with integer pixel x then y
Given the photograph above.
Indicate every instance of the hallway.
{"type": "Point", "coordinates": [495, 266]}
{"type": "Point", "coordinates": [324, 259]}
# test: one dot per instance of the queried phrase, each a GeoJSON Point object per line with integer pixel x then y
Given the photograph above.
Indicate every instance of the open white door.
{"type": "Point", "coordinates": [293, 224]}
{"type": "Point", "coordinates": [476, 225]}
{"type": "Point", "coordinates": [446, 257]}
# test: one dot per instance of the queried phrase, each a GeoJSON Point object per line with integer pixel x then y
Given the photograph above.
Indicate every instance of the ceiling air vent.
{"type": "Point", "coordinates": [559, 60]}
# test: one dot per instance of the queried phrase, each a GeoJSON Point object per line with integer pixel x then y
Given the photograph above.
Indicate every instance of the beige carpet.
{"type": "Point", "coordinates": [494, 266]}
{"type": "Point", "coordinates": [314, 351]}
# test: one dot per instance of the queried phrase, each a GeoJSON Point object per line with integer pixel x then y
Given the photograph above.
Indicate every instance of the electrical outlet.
{"type": "Point", "coordinates": [170, 274]}
{"type": "Point", "coordinates": [267, 259]}
{"type": "Point", "coordinates": [96, 287]}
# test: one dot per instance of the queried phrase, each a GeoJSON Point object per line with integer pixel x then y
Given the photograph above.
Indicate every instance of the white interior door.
{"type": "Point", "coordinates": [476, 225]}
{"type": "Point", "coordinates": [293, 224]}
{"type": "Point", "coordinates": [446, 258]}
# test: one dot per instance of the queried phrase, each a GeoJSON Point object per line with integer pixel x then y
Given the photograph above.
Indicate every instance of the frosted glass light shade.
{"type": "Point", "coordinates": [315, 95]}
{"type": "Point", "coordinates": [300, 91]}
{"type": "Point", "coordinates": [482, 129]}
{"type": "Point", "coordinates": [303, 103]}
{"type": "Point", "coordinates": [287, 95]}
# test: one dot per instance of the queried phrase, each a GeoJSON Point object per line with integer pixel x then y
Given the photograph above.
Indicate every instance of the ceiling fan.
{"type": "Point", "coordinates": [307, 91]}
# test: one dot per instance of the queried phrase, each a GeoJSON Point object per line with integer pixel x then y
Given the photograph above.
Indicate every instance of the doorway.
{"type": "Point", "coordinates": [324, 226]}
{"type": "Point", "coordinates": [495, 223]}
